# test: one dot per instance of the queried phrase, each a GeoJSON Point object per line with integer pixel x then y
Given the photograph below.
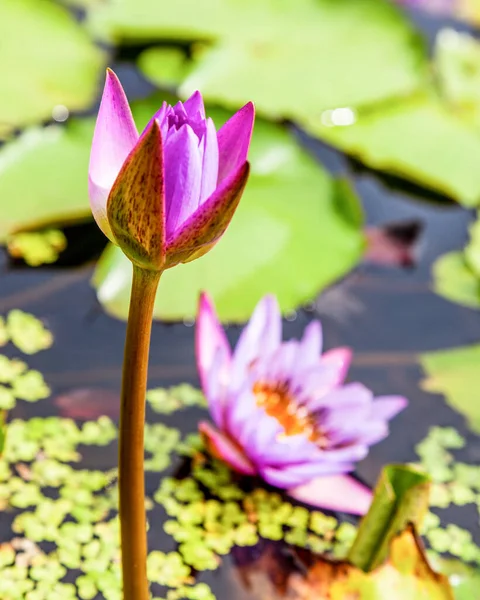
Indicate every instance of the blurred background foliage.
{"type": "Point", "coordinates": [356, 75]}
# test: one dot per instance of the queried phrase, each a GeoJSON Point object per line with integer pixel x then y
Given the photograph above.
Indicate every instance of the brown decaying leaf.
{"type": "Point", "coordinates": [405, 575]}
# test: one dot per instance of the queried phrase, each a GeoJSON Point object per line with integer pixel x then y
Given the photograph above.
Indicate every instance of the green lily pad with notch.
{"type": "Point", "coordinates": [419, 138]}
{"type": "Point", "coordinates": [46, 59]}
{"type": "Point", "coordinates": [295, 232]}
{"type": "Point", "coordinates": [43, 178]}
{"type": "Point", "coordinates": [456, 375]}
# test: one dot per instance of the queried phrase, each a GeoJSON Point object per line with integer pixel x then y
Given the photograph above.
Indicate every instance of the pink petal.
{"type": "Point", "coordinates": [352, 396]}
{"type": "Point", "coordinates": [212, 350]}
{"type": "Point", "coordinates": [221, 447]}
{"type": "Point", "coordinates": [114, 137]}
{"type": "Point", "coordinates": [194, 106]}
{"type": "Point", "coordinates": [183, 176]}
{"type": "Point", "coordinates": [207, 225]}
{"type": "Point", "coordinates": [310, 346]}
{"type": "Point", "coordinates": [295, 475]}
{"type": "Point", "coordinates": [387, 407]}
{"type": "Point", "coordinates": [210, 161]}
{"type": "Point", "coordinates": [341, 358]}
{"type": "Point", "coordinates": [336, 492]}
{"type": "Point", "coordinates": [260, 337]}
{"type": "Point", "coordinates": [234, 140]}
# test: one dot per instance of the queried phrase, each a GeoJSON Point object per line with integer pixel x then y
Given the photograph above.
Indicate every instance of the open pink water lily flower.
{"type": "Point", "coordinates": [166, 196]}
{"type": "Point", "coordinates": [282, 411]}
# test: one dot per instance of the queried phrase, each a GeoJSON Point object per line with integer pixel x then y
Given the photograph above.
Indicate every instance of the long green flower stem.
{"type": "Point", "coordinates": [131, 442]}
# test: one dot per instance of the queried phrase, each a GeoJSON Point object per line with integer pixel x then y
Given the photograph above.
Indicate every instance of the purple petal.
{"type": "Point", "coordinates": [350, 396]}
{"type": "Point", "coordinates": [352, 453]}
{"type": "Point", "coordinates": [310, 346]}
{"type": "Point", "coordinates": [221, 447]}
{"type": "Point", "coordinates": [183, 176]}
{"type": "Point", "coordinates": [373, 432]}
{"type": "Point", "coordinates": [341, 359]}
{"type": "Point", "coordinates": [260, 337]}
{"type": "Point", "coordinates": [292, 476]}
{"type": "Point", "coordinates": [210, 161]}
{"type": "Point", "coordinates": [207, 225]}
{"type": "Point", "coordinates": [278, 366]}
{"type": "Point", "coordinates": [275, 451]}
{"type": "Point", "coordinates": [194, 106]}
{"type": "Point", "coordinates": [387, 407]}
{"type": "Point", "coordinates": [234, 140]}
{"type": "Point", "coordinates": [335, 492]}
{"type": "Point", "coordinates": [114, 137]}
{"type": "Point", "coordinates": [314, 383]}
{"type": "Point", "coordinates": [240, 412]}
{"type": "Point", "coordinates": [213, 356]}
{"type": "Point", "coordinates": [136, 204]}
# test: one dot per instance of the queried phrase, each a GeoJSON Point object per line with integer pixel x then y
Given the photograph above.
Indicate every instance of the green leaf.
{"type": "Point", "coordinates": [401, 496]}
{"type": "Point", "coordinates": [455, 374]}
{"type": "Point", "coordinates": [456, 275]}
{"type": "Point", "coordinates": [455, 281]}
{"type": "Point", "coordinates": [164, 66]}
{"type": "Point", "coordinates": [296, 231]}
{"type": "Point", "coordinates": [296, 46]}
{"type": "Point", "coordinates": [36, 76]}
{"type": "Point", "coordinates": [403, 138]}
{"type": "Point", "coordinates": [43, 177]}
{"type": "Point", "coordinates": [43, 173]}
{"type": "Point", "coordinates": [3, 430]}
{"type": "Point", "coordinates": [315, 57]}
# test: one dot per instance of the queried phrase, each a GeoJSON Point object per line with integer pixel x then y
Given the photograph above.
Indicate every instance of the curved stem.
{"type": "Point", "coordinates": [131, 437]}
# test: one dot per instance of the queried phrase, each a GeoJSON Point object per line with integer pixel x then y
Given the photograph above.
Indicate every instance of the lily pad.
{"type": "Point", "coordinates": [403, 138]}
{"type": "Point", "coordinates": [314, 56]}
{"type": "Point", "coordinates": [455, 281]}
{"type": "Point", "coordinates": [455, 374]}
{"type": "Point", "coordinates": [164, 66]}
{"type": "Point", "coordinates": [47, 60]}
{"type": "Point", "coordinates": [43, 177]}
{"type": "Point", "coordinates": [456, 275]}
{"type": "Point", "coordinates": [296, 231]}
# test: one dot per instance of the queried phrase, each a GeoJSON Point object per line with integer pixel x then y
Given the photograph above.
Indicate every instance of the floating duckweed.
{"type": "Point", "coordinates": [167, 401]}
{"type": "Point", "coordinates": [27, 332]}
{"type": "Point", "coordinates": [37, 247]}
{"type": "Point", "coordinates": [454, 483]}
{"type": "Point", "coordinates": [168, 569]}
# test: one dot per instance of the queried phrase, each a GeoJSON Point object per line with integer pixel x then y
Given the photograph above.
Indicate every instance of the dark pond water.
{"type": "Point", "coordinates": [387, 315]}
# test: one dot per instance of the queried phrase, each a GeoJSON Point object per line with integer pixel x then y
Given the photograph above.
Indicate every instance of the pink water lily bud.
{"type": "Point", "coordinates": [282, 411]}
{"type": "Point", "coordinates": [166, 196]}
